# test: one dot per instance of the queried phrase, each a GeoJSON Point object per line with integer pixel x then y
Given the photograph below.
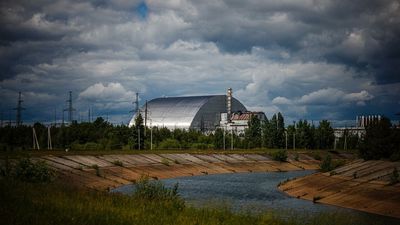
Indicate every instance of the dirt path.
{"type": "Point", "coordinates": [361, 185]}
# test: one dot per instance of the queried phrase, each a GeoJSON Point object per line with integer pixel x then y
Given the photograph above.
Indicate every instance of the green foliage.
{"type": "Point", "coordinates": [329, 164]}
{"type": "Point", "coordinates": [253, 133]}
{"type": "Point", "coordinates": [97, 169]}
{"type": "Point", "coordinates": [154, 190]}
{"type": "Point", "coordinates": [381, 141]}
{"type": "Point", "coordinates": [169, 143]}
{"type": "Point", "coordinates": [394, 177]}
{"type": "Point", "coordinates": [296, 156]}
{"type": "Point", "coordinates": [118, 163]}
{"type": "Point", "coordinates": [326, 164]}
{"type": "Point", "coordinates": [279, 155]}
{"type": "Point", "coordinates": [165, 161]}
{"type": "Point", "coordinates": [54, 203]}
{"type": "Point", "coordinates": [35, 172]}
{"type": "Point", "coordinates": [316, 156]}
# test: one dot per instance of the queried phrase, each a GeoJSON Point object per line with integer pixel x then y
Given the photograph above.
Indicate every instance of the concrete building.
{"type": "Point", "coordinates": [238, 121]}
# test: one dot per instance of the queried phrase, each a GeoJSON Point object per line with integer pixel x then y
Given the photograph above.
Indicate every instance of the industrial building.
{"type": "Point", "coordinates": [194, 112]}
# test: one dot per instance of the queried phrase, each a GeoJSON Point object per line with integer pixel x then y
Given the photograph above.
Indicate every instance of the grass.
{"type": "Point", "coordinates": [57, 203]}
{"type": "Point", "coordinates": [61, 152]}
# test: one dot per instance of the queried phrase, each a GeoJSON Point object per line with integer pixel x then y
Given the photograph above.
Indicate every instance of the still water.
{"type": "Point", "coordinates": [256, 192]}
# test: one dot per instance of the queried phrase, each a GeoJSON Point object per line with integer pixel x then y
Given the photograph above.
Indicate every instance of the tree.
{"type": "Point", "coordinates": [324, 135]}
{"type": "Point", "coordinates": [380, 141]}
{"type": "Point", "coordinates": [253, 133]}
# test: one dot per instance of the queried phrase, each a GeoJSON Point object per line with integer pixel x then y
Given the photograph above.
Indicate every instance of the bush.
{"type": "Point", "coordinates": [118, 163]}
{"type": "Point", "coordinates": [169, 143]}
{"type": "Point", "coordinates": [38, 172]}
{"type": "Point", "coordinates": [279, 155]}
{"type": "Point", "coordinates": [326, 164]}
{"type": "Point", "coordinates": [394, 177]}
{"type": "Point", "coordinates": [155, 191]}
{"type": "Point", "coordinates": [316, 156]}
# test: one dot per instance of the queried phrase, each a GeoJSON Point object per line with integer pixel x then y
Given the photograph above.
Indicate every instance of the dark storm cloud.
{"type": "Point", "coordinates": [279, 55]}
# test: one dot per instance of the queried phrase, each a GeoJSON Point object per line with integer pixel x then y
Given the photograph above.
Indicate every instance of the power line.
{"type": "Point", "coordinates": [19, 109]}
{"type": "Point", "coordinates": [70, 109]}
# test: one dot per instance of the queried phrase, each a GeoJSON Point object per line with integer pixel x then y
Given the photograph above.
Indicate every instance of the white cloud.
{"type": "Point", "coordinates": [281, 101]}
{"type": "Point", "coordinates": [112, 92]}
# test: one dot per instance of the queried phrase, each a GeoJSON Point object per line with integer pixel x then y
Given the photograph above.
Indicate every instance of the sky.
{"type": "Point", "coordinates": [308, 59]}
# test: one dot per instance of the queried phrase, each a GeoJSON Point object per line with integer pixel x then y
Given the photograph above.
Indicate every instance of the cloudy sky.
{"type": "Point", "coordinates": [309, 59]}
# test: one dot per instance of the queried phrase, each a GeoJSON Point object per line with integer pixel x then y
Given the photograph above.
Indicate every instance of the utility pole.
{"type": "Point", "coordinates": [286, 139]}
{"type": "Point", "coordinates": [151, 136]}
{"type": "Point", "coordinates": [49, 145]}
{"type": "Point", "coordinates": [35, 140]}
{"type": "Point", "coordinates": [145, 118]}
{"type": "Point", "coordinates": [55, 116]}
{"type": "Point", "coordinates": [70, 109]}
{"type": "Point", "coordinates": [224, 138]}
{"type": "Point", "coordinates": [89, 115]}
{"type": "Point", "coordinates": [232, 138]}
{"type": "Point", "coordinates": [19, 108]}
{"type": "Point", "coordinates": [294, 136]}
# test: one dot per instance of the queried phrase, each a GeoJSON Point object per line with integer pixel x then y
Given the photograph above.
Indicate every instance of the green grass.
{"type": "Point", "coordinates": [57, 203]}
{"type": "Point", "coordinates": [60, 152]}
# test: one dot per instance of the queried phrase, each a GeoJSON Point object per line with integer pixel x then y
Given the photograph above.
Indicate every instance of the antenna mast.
{"type": "Point", "coordinates": [19, 109]}
{"type": "Point", "coordinates": [70, 109]}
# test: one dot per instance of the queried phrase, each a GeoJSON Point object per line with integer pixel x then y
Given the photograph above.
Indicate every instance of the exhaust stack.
{"type": "Point", "coordinates": [229, 104]}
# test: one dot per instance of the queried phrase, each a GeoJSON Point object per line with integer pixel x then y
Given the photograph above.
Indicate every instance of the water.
{"type": "Point", "coordinates": [257, 192]}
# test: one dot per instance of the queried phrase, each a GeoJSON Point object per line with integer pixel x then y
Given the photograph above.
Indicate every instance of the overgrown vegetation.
{"type": "Point", "coordinates": [381, 140]}
{"type": "Point", "coordinates": [329, 164]}
{"type": "Point", "coordinates": [394, 177]}
{"type": "Point", "coordinates": [279, 155]}
{"type": "Point", "coordinates": [155, 191]}
{"type": "Point", "coordinates": [28, 171]}
{"type": "Point", "coordinates": [55, 203]}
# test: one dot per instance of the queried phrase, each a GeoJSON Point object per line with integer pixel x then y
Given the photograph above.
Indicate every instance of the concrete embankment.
{"type": "Point", "coordinates": [110, 171]}
{"type": "Point", "coordinates": [361, 185]}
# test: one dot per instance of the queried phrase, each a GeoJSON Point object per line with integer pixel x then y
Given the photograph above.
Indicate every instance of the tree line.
{"type": "Point", "coordinates": [269, 133]}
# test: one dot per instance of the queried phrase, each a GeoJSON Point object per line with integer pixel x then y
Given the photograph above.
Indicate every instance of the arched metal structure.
{"type": "Point", "coordinates": [194, 112]}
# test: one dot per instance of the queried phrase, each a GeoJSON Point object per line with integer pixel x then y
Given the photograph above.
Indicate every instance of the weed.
{"type": "Point", "coordinates": [279, 155]}
{"type": "Point", "coordinates": [316, 156]}
{"type": "Point", "coordinates": [151, 190]}
{"type": "Point", "coordinates": [118, 163]}
{"type": "Point", "coordinates": [38, 172]}
{"type": "Point", "coordinates": [326, 164]}
{"type": "Point", "coordinates": [165, 162]}
{"type": "Point", "coordinates": [176, 161]}
{"type": "Point", "coordinates": [316, 198]}
{"type": "Point", "coordinates": [394, 177]}
{"type": "Point", "coordinates": [96, 167]}
{"type": "Point", "coordinates": [296, 156]}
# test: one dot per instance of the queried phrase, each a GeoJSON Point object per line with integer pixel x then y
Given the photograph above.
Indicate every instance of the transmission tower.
{"type": "Point", "coordinates": [70, 109]}
{"type": "Point", "coordinates": [19, 109]}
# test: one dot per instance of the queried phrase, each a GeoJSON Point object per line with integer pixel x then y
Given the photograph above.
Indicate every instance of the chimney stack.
{"type": "Point", "coordinates": [229, 103]}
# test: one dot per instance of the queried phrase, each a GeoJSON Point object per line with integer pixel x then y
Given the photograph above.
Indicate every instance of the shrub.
{"type": "Point", "coordinates": [38, 172]}
{"type": "Point", "coordinates": [279, 155]}
{"type": "Point", "coordinates": [296, 156]}
{"type": "Point", "coordinates": [165, 162]}
{"type": "Point", "coordinates": [316, 156]}
{"type": "Point", "coordinates": [118, 163]}
{"type": "Point", "coordinates": [96, 167]}
{"type": "Point", "coordinates": [155, 191]}
{"type": "Point", "coordinates": [169, 143]}
{"type": "Point", "coordinates": [326, 164]}
{"type": "Point", "coordinates": [394, 177]}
